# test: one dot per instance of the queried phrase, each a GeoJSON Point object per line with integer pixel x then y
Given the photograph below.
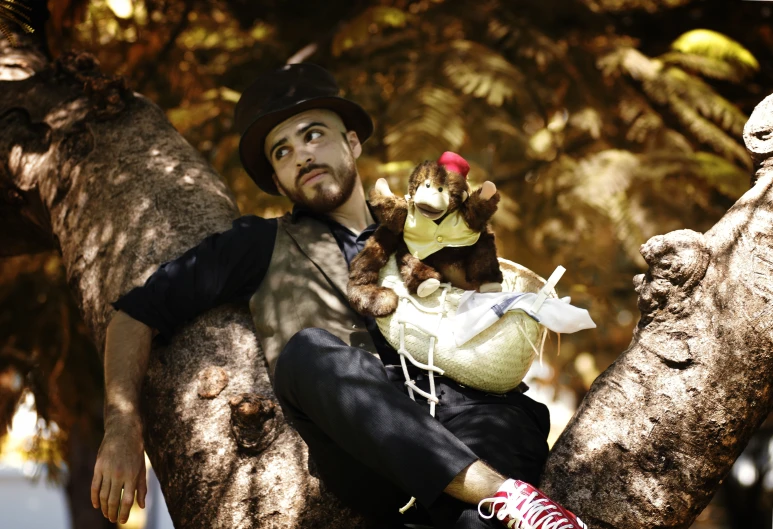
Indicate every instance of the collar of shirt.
{"type": "Point", "coordinates": [349, 243]}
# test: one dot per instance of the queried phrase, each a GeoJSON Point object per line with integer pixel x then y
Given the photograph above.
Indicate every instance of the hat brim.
{"type": "Point", "coordinates": [251, 145]}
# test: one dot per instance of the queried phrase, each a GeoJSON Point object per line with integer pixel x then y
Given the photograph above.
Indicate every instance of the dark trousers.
{"type": "Point", "coordinates": [375, 448]}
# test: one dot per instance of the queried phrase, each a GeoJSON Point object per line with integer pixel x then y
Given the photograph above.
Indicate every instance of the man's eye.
{"type": "Point", "coordinates": [279, 153]}
{"type": "Point", "coordinates": [313, 135]}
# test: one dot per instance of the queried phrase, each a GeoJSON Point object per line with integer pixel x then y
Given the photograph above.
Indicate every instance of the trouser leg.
{"type": "Point", "coordinates": [509, 433]}
{"type": "Point", "coordinates": [345, 394]}
{"type": "Point", "coordinates": [355, 484]}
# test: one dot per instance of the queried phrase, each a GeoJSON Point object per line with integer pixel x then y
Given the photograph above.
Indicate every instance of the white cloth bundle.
{"type": "Point", "coordinates": [477, 312]}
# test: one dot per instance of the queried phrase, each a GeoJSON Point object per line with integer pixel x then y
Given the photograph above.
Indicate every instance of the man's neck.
{"type": "Point", "coordinates": [354, 213]}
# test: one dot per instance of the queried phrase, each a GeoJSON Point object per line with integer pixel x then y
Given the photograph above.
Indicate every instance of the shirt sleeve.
{"type": "Point", "coordinates": [224, 267]}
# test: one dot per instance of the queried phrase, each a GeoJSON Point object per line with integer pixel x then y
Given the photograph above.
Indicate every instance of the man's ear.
{"type": "Point", "coordinates": [354, 143]}
{"type": "Point", "coordinates": [276, 183]}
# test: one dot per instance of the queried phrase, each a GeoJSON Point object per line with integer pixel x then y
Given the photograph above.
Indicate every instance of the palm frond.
{"type": "Point", "coordinates": [708, 66]}
{"type": "Point", "coordinates": [540, 48]}
{"type": "Point", "coordinates": [602, 182]}
{"type": "Point", "coordinates": [707, 115]}
{"type": "Point", "coordinates": [706, 101]}
{"type": "Point", "coordinates": [617, 6]}
{"type": "Point", "coordinates": [628, 61]}
{"type": "Point", "coordinates": [707, 132]}
{"type": "Point", "coordinates": [637, 113]}
{"type": "Point", "coordinates": [431, 123]}
{"type": "Point", "coordinates": [478, 70]}
{"type": "Point", "coordinates": [712, 170]}
{"type": "Point", "coordinates": [14, 12]}
{"type": "Point", "coordinates": [361, 29]}
{"type": "Point", "coordinates": [714, 45]}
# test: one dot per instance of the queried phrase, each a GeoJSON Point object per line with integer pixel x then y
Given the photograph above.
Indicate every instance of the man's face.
{"type": "Point", "coordinates": [314, 159]}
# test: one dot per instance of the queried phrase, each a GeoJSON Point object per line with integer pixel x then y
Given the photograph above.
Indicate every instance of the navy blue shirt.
{"type": "Point", "coordinates": [228, 267]}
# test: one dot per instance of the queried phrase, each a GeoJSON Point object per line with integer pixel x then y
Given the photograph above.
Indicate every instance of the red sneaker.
{"type": "Point", "coordinates": [521, 506]}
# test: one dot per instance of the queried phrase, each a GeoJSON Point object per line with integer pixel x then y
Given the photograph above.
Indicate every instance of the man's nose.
{"type": "Point", "coordinates": [304, 157]}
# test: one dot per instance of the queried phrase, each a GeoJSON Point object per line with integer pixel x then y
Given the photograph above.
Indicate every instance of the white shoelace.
{"type": "Point", "coordinates": [526, 516]}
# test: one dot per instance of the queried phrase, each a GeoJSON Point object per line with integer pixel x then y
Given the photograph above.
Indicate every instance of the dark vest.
{"type": "Point", "coordinates": [305, 286]}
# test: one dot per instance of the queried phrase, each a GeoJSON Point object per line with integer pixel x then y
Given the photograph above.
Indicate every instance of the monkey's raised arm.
{"type": "Point", "coordinates": [390, 210]}
{"type": "Point", "coordinates": [477, 211]}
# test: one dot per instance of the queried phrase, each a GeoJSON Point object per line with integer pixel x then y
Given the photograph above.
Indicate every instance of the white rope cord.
{"type": "Point", "coordinates": [431, 369]}
{"type": "Point", "coordinates": [441, 312]}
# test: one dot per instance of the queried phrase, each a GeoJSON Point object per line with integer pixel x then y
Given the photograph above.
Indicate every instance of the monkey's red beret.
{"type": "Point", "coordinates": [453, 162]}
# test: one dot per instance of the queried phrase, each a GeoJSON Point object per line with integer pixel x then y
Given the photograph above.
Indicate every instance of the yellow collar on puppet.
{"type": "Point", "coordinates": [423, 237]}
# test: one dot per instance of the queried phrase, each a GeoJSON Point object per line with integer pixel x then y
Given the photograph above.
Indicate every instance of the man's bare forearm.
{"type": "Point", "coordinates": [127, 348]}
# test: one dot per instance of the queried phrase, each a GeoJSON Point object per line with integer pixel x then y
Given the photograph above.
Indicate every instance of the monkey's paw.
{"type": "Point", "coordinates": [427, 287]}
{"type": "Point", "coordinates": [382, 187]}
{"type": "Point", "coordinates": [490, 287]}
{"type": "Point", "coordinates": [487, 190]}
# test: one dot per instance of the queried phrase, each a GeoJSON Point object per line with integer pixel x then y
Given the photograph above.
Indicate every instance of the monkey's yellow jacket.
{"type": "Point", "coordinates": [423, 237]}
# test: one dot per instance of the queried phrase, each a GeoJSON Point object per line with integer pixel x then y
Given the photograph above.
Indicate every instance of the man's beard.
{"type": "Point", "coordinates": [325, 199]}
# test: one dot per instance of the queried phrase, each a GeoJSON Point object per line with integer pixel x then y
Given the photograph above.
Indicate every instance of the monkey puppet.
{"type": "Point", "coordinates": [439, 232]}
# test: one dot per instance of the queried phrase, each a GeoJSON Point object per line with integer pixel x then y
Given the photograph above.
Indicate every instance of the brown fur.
{"type": "Point", "coordinates": [464, 267]}
{"type": "Point", "coordinates": [365, 295]}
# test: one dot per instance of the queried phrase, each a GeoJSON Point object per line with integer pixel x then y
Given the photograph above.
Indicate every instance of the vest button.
{"type": "Point", "coordinates": [439, 239]}
{"type": "Point", "coordinates": [362, 344]}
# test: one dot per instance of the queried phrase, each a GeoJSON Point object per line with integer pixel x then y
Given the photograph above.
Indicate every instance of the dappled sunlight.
{"type": "Point", "coordinates": [603, 126]}
{"type": "Point", "coordinates": [66, 113]}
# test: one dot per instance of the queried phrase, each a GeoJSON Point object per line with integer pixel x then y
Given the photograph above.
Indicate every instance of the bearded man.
{"type": "Point", "coordinates": [339, 383]}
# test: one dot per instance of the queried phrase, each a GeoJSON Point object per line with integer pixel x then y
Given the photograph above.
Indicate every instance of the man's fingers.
{"type": "Point", "coordinates": [104, 495]}
{"type": "Point", "coordinates": [127, 501]}
{"type": "Point", "coordinates": [142, 488]}
{"type": "Point", "coordinates": [96, 483]}
{"type": "Point", "coordinates": [114, 500]}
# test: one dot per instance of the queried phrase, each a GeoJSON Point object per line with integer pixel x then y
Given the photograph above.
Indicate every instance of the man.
{"type": "Point", "coordinates": [334, 375]}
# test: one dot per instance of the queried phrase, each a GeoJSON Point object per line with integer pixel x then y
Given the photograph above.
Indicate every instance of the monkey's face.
{"type": "Point", "coordinates": [436, 191]}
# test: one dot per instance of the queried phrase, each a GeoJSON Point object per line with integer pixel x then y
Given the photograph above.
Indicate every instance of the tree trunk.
{"type": "Point", "coordinates": [660, 429]}
{"type": "Point", "coordinates": [98, 172]}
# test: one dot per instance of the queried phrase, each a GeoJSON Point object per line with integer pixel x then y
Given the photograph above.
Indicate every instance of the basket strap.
{"type": "Point", "coordinates": [431, 397]}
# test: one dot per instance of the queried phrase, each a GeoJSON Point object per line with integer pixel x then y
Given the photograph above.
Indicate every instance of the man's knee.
{"type": "Point", "coordinates": [302, 350]}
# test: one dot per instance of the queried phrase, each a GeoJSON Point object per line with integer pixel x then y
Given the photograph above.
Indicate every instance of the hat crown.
{"type": "Point", "coordinates": [281, 88]}
{"type": "Point", "coordinates": [453, 162]}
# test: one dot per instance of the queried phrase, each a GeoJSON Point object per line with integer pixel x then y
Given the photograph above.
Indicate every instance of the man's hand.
{"type": "Point", "coordinates": [120, 466]}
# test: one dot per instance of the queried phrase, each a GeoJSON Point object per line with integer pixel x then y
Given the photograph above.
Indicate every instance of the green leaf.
{"type": "Point", "coordinates": [713, 45]}
{"type": "Point", "coordinates": [361, 29]}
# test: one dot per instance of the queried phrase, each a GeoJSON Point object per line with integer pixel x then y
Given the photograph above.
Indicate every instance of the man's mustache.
{"type": "Point", "coordinates": [306, 170]}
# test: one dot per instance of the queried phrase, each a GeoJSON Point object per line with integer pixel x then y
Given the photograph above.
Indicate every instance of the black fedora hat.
{"type": "Point", "coordinates": [276, 96]}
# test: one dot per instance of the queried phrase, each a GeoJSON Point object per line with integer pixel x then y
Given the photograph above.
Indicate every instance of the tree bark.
{"type": "Point", "coordinates": [660, 429]}
{"type": "Point", "coordinates": [97, 171]}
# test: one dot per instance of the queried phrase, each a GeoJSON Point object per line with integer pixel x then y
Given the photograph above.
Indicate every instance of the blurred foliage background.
{"type": "Point", "coordinates": [602, 122]}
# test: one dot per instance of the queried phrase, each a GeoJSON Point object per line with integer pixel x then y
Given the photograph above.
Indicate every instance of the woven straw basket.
{"type": "Point", "coordinates": [496, 360]}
